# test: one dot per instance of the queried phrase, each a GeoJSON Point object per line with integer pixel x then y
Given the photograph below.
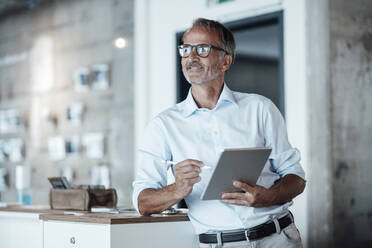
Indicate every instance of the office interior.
{"type": "Point", "coordinates": [80, 80]}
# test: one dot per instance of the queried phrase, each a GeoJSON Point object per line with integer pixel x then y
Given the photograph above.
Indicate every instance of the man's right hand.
{"type": "Point", "coordinates": [187, 174]}
{"type": "Point", "coordinates": [152, 201]}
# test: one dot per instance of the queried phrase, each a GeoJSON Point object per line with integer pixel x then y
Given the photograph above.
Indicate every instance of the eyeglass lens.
{"type": "Point", "coordinates": [202, 50]}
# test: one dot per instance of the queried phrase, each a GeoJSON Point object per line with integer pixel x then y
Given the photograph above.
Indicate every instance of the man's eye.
{"type": "Point", "coordinates": [203, 49]}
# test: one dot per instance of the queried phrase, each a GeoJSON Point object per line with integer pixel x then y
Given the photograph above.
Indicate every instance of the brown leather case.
{"type": "Point", "coordinates": [82, 199]}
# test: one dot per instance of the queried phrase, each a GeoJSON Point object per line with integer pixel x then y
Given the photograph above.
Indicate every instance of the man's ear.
{"type": "Point", "coordinates": [227, 61]}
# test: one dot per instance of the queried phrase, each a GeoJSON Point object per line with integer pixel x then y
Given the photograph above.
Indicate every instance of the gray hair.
{"type": "Point", "coordinates": [227, 40]}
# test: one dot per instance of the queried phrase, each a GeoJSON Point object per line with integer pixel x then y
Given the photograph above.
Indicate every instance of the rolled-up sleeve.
{"type": "Point", "coordinates": [284, 158]}
{"type": "Point", "coordinates": [151, 172]}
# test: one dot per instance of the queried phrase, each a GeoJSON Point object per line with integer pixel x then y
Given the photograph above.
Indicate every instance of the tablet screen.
{"type": "Point", "coordinates": [244, 164]}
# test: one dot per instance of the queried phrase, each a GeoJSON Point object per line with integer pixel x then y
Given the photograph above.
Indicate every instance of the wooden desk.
{"type": "Point", "coordinates": [53, 229]}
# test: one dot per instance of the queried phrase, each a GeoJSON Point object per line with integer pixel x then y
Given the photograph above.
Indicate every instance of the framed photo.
{"type": "Point", "coordinates": [11, 150]}
{"type": "Point", "coordinates": [100, 77]}
{"type": "Point", "coordinates": [94, 145]}
{"type": "Point", "coordinates": [16, 151]}
{"type": "Point", "coordinates": [3, 153]}
{"type": "Point", "coordinates": [56, 148]}
{"type": "Point", "coordinates": [10, 121]}
{"type": "Point", "coordinates": [75, 113]}
{"type": "Point", "coordinates": [72, 146]}
{"type": "Point", "coordinates": [4, 179]}
{"type": "Point", "coordinates": [81, 79]}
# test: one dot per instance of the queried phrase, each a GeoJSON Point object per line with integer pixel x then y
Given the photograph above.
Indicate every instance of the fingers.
{"type": "Point", "coordinates": [243, 186]}
{"type": "Point", "coordinates": [188, 167]}
{"type": "Point", "coordinates": [237, 196]}
{"type": "Point", "coordinates": [188, 182]}
{"type": "Point", "coordinates": [187, 174]}
{"type": "Point", "coordinates": [253, 196]}
{"type": "Point", "coordinates": [244, 199]}
{"type": "Point", "coordinates": [236, 202]}
{"type": "Point", "coordinates": [195, 180]}
{"type": "Point", "coordinates": [189, 162]}
{"type": "Point", "coordinates": [190, 175]}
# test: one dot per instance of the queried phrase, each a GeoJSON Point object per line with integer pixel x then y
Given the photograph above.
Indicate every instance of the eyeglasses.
{"type": "Point", "coordinates": [202, 50]}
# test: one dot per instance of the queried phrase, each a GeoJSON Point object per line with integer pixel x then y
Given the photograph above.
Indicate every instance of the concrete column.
{"type": "Point", "coordinates": [351, 121]}
{"type": "Point", "coordinates": [319, 185]}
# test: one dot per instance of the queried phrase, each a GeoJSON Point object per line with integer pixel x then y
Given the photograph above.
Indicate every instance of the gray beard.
{"type": "Point", "coordinates": [188, 78]}
{"type": "Point", "coordinates": [198, 82]}
{"type": "Point", "coordinates": [190, 82]}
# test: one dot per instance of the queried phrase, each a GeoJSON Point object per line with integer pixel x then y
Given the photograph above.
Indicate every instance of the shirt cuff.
{"type": "Point", "coordinates": [296, 170]}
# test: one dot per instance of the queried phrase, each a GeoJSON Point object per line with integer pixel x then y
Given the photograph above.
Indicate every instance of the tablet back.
{"type": "Point", "coordinates": [243, 164]}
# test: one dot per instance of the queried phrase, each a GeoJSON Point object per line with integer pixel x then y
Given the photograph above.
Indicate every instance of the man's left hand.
{"type": "Point", "coordinates": [253, 196]}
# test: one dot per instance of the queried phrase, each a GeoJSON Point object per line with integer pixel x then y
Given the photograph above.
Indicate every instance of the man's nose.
{"type": "Point", "coordinates": [193, 54]}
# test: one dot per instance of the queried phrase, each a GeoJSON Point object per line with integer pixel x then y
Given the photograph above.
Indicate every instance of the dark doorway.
{"type": "Point", "coordinates": [258, 67]}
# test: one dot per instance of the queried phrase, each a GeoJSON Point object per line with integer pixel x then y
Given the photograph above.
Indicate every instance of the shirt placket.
{"type": "Point", "coordinates": [219, 146]}
{"type": "Point", "coordinates": [216, 134]}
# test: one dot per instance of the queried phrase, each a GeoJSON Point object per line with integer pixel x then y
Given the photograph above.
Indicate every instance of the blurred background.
{"type": "Point", "coordinates": [80, 79]}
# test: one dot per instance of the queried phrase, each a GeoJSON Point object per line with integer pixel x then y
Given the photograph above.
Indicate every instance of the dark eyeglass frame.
{"type": "Point", "coordinates": [180, 47]}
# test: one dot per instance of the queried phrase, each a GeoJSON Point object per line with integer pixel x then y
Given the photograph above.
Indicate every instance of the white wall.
{"type": "Point", "coordinates": [156, 23]}
{"type": "Point", "coordinates": [295, 82]}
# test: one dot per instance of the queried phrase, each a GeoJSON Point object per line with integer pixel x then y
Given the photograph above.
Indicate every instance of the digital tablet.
{"type": "Point", "coordinates": [244, 164]}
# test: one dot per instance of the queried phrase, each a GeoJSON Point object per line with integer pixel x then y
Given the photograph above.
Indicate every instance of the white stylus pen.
{"type": "Point", "coordinates": [174, 162]}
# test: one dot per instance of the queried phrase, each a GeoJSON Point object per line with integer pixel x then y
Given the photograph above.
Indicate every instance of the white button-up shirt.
{"type": "Point", "coordinates": [239, 120]}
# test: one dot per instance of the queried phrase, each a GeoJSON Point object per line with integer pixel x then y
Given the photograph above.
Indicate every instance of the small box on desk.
{"type": "Point", "coordinates": [82, 199]}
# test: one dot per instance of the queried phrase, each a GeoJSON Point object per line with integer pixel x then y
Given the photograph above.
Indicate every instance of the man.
{"type": "Point", "coordinates": [195, 131]}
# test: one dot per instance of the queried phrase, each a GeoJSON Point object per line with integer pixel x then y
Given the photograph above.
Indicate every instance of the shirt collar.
{"type": "Point", "coordinates": [190, 105]}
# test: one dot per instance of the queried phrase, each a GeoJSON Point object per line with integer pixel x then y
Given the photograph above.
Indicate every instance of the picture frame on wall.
{"type": "Point", "coordinates": [11, 150]}
{"type": "Point", "coordinates": [75, 113]}
{"type": "Point", "coordinates": [10, 121]}
{"type": "Point", "coordinates": [100, 77]}
{"type": "Point", "coordinates": [56, 148]}
{"type": "Point", "coordinates": [16, 150]}
{"type": "Point", "coordinates": [4, 179]}
{"type": "Point", "coordinates": [72, 146]}
{"type": "Point", "coordinates": [81, 79]}
{"type": "Point", "coordinates": [94, 145]}
{"type": "Point", "coordinates": [3, 154]}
